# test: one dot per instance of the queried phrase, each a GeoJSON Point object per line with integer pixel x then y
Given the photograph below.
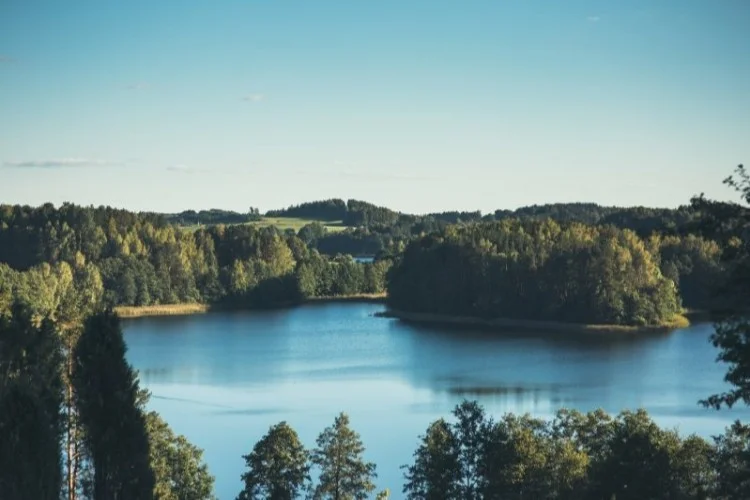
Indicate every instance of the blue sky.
{"type": "Point", "coordinates": [418, 105]}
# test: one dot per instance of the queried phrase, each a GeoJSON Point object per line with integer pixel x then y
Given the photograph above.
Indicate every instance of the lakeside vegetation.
{"type": "Point", "coordinates": [49, 255]}
{"type": "Point", "coordinates": [535, 270]}
{"type": "Point", "coordinates": [73, 416]}
{"type": "Point", "coordinates": [160, 310]}
{"type": "Point", "coordinates": [187, 309]}
{"type": "Point", "coordinates": [144, 259]}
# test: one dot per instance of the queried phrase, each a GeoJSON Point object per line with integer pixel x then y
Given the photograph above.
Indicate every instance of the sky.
{"type": "Point", "coordinates": [420, 105]}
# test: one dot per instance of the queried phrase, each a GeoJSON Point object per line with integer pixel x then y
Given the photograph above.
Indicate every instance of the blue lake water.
{"type": "Point", "coordinates": [223, 379]}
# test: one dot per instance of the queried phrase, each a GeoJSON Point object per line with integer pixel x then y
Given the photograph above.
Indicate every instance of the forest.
{"type": "Point", "coordinates": [74, 422]}
{"type": "Point", "coordinates": [125, 258]}
{"type": "Point", "coordinates": [547, 261]}
{"type": "Point", "coordinates": [544, 270]}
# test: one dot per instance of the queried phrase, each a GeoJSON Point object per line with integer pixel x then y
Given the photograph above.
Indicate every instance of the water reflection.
{"type": "Point", "coordinates": [223, 379]}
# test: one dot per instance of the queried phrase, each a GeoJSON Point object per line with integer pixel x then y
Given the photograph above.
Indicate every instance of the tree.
{"type": "Point", "coordinates": [732, 336]}
{"type": "Point", "coordinates": [106, 392]}
{"type": "Point", "coordinates": [277, 466]}
{"type": "Point", "coordinates": [524, 459]}
{"type": "Point", "coordinates": [344, 475]}
{"type": "Point", "coordinates": [471, 430]}
{"type": "Point", "coordinates": [645, 462]}
{"type": "Point", "coordinates": [30, 407]}
{"type": "Point", "coordinates": [179, 471]}
{"type": "Point", "coordinates": [732, 462]}
{"type": "Point", "coordinates": [436, 472]}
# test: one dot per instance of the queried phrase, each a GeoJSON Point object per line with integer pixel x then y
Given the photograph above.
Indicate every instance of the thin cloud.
{"type": "Point", "coordinates": [59, 163]}
{"type": "Point", "coordinates": [254, 98]}
{"type": "Point", "coordinates": [6, 59]}
{"type": "Point", "coordinates": [593, 19]}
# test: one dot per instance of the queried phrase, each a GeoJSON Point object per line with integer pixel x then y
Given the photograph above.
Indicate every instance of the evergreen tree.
{"type": "Point", "coordinates": [30, 407]}
{"type": "Point", "coordinates": [277, 466]}
{"type": "Point", "coordinates": [106, 392]}
{"type": "Point", "coordinates": [344, 475]}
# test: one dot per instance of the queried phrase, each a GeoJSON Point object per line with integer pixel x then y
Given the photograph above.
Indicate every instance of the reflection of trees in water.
{"type": "Point", "coordinates": [539, 372]}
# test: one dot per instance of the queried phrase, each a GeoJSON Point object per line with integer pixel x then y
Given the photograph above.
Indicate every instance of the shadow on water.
{"type": "Point", "coordinates": [573, 338]}
{"type": "Point", "coordinates": [540, 371]}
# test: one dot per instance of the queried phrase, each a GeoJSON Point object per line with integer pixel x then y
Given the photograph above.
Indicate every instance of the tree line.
{"type": "Point", "coordinates": [572, 456]}
{"type": "Point", "coordinates": [373, 229]}
{"type": "Point", "coordinates": [213, 216]}
{"type": "Point", "coordinates": [541, 269]}
{"type": "Point", "coordinates": [350, 213]}
{"type": "Point", "coordinates": [141, 259]}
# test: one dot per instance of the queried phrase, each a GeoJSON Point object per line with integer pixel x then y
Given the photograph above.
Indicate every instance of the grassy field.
{"type": "Point", "coordinates": [160, 310]}
{"type": "Point", "coordinates": [295, 223]}
{"type": "Point", "coordinates": [185, 309]}
{"type": "Point", "coordinates": [284, 223]}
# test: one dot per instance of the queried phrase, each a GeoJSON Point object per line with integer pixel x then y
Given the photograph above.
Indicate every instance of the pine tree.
{"type": "Point", "coordinates": [30, 407]}
{"type": "Point", "coordinates": [278, 468]}
{"type": "Point", "coordinates": [344, 473]}
{"type": "Point", "coordinates": [106, 392]}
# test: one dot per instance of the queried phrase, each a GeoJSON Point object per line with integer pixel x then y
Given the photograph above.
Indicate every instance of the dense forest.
{"type": "Point", "coordinates": [372, 229]}
{"type": "Point", "coordinates": [141, 259]}
{"type": "Point", "coordinates": [530, 269]}
{"type": "Point", "coordinates": [538, 261]}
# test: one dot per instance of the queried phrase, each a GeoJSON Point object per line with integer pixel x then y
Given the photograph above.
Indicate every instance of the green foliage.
{"type": "Point", "coordinates": [344, 475]}
{"type": "Point", "coordinates": [694, 264]}
{"type": "Point", "coordinates": [534, 270]}
{"type": "Point", "coordinates": [179, 472]}
{"type": "Point", "coordinates": [74, 258]}
{"type": "Point", "coordinates": [326, 210]}
{"type": "Point", "coordinates": [573, 456]}
{"type": "Point", "coordinates": [106, 393]}
{"type": "Point", "coordinates": [436, 472]}
{"type": "Point", "coordinates": [30, 407]}
{"type": "Point", "coordinates": [732, 336]}
{"type": "Point", "coordinates": [732, 461]}
{"type": "Point", "coordinates": [277, 467]}
{"type": "Point", "coordinates": [213, 216]}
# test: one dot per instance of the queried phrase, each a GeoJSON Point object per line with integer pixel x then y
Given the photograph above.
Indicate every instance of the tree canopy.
{"type": "Point", "coordinates": [535, 270]}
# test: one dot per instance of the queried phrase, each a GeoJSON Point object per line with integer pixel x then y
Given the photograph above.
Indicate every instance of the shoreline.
{"type": "Point", "coordinates": [377, 298]}
{"type": "Point", "coordinates": [127, 312]}
{"type": "Point", "coordinates": [680, 321]}
{"type": "Point", "coordinates": [131, 312]}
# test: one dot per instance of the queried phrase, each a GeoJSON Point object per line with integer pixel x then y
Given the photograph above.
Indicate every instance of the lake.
{"type": "Point", "coordinates": [223, 379]}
